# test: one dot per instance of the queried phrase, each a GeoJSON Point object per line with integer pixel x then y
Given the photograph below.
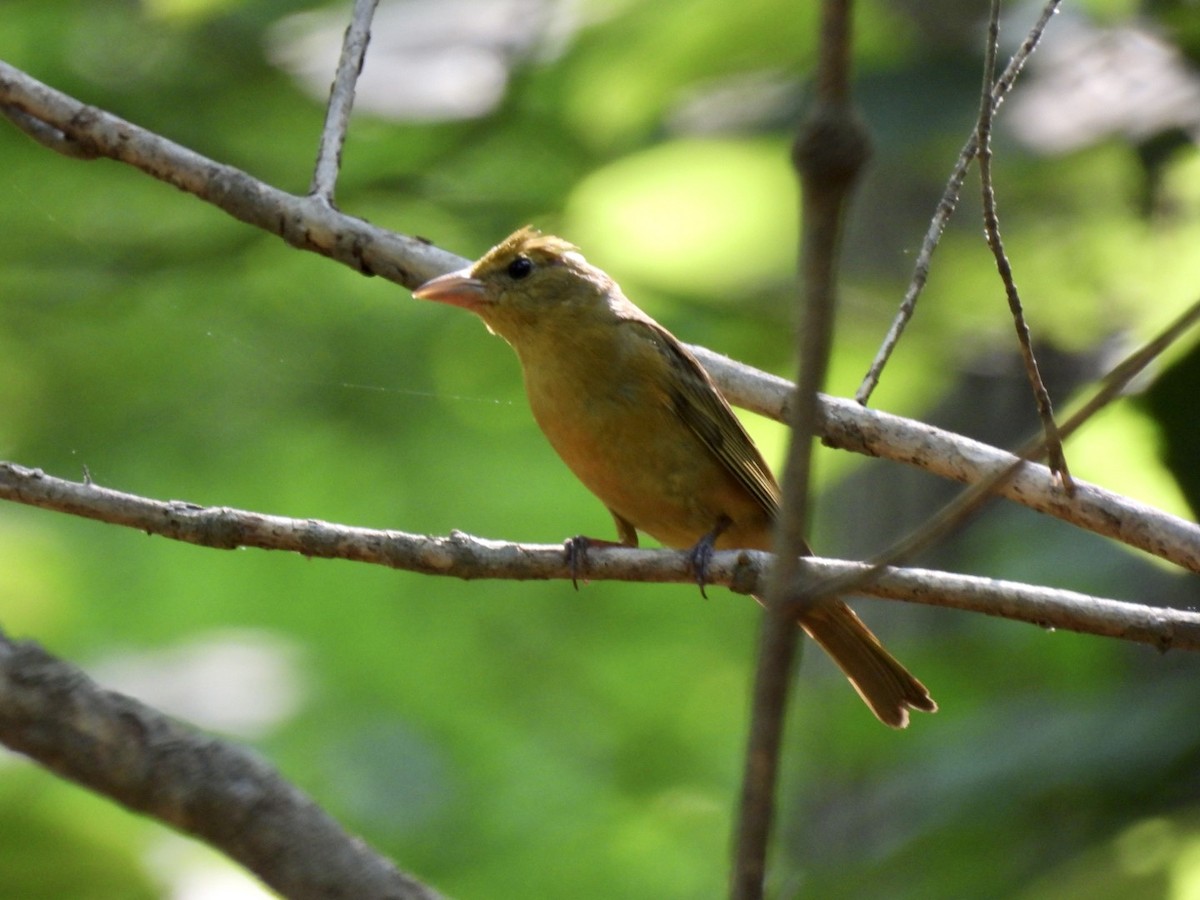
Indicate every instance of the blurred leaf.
{"type": "Point", "coordinates": [650, 213]}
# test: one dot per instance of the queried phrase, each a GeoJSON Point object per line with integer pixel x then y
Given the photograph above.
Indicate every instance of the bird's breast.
{"type": "Point", "coordinates": [607, 412]}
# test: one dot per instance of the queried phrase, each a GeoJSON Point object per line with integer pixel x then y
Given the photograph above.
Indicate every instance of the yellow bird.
{"type": "Point", "coordinates": [641, 424]}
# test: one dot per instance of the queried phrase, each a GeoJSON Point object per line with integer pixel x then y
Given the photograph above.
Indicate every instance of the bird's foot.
{"type": "Point", "coordinates": [576, 551]}
{"type": "Point", "coordinates": [701, 554]}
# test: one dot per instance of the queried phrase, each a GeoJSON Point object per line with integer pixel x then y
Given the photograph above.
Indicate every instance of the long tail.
{"type": "Point", "coordinates": [886, 686]}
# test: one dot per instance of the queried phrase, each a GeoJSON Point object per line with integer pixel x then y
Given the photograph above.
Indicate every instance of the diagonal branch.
{"type": "Point", "coordinates": [306, 223]}
{"type": "Point", "coordinates": [991, 228]}
{"type": "Point", "coordinates": [202, 786]}
{"type": "Point", "coordinates": [848, 426]}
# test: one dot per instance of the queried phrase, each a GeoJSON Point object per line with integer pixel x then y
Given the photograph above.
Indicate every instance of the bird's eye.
{"type": "Point", "coordinates": [520, 268]}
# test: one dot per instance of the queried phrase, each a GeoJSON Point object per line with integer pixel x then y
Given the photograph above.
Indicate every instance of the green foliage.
{"type": "Point", "coordinates": [516, 740]}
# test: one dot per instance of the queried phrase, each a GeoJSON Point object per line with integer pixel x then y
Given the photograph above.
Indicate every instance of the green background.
{"type": "Point", "coordinates": [523, 740]}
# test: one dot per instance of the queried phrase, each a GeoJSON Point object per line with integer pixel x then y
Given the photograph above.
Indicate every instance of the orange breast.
{"type": "Point", "coordinates": [613, 426]}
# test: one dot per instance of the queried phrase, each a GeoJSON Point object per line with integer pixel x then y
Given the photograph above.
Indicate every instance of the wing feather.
{"type": "Point", "coordinates": [698, 402]}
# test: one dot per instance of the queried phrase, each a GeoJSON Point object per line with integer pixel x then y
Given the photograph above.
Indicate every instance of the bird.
{"type": "Point", "coordinates": [643, 426]}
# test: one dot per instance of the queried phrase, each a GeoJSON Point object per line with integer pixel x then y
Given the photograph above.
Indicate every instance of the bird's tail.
{"type": "Point", "coordinates": [886, 686]}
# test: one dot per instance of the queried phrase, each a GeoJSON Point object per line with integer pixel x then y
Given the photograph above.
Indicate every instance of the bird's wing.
{"type": "Point", "coordinates": [698, 402]}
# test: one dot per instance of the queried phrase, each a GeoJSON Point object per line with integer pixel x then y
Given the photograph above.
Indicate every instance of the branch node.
{"type": "Point", "coordinates": [832, 148]}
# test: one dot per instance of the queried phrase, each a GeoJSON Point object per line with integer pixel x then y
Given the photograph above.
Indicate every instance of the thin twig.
{"type": "Point", "coordinates": [991, 229]}
{"type": "Point", "coordinates": [46, 135]}
{"type": "Point", "coordinates": [829, 154]}
{"type": "Point", "coordinates": [1119, 377]}
{"type": "Point", "coordinates": [341, 101]}
{"type": "Point", "coordinates": [946, 206]}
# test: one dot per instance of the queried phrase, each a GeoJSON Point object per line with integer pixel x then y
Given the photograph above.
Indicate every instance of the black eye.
{"type": "Point", "coordinates": [520, 268]}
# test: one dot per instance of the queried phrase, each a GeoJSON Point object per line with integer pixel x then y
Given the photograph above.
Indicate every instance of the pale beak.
{"type": "Point", "coordinates": [457, 288]}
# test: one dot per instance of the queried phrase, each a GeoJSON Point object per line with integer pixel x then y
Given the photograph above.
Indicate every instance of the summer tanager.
{"type": "Point", "coordinates": [641, 424]}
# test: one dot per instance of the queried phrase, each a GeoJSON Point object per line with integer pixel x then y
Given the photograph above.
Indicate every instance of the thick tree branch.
{"type": "Point", "coordinates": [215, 791]}
{"type": "Point", "coordinates": [463, 556]}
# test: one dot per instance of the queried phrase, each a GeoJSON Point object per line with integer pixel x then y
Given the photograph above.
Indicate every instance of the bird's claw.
{"type": "Point", "coordinates": [701, 554]}
{"type": "Point", "coordinates": [576, 549]}
{"type": "Point", "coordinates": [699, 558]}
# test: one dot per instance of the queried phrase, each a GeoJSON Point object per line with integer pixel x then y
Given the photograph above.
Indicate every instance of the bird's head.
{"type": "Point", "coordinates": [528, 284]}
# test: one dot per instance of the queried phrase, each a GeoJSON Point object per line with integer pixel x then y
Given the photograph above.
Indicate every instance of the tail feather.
{"type": "Point", "coordinates": [883, 683]}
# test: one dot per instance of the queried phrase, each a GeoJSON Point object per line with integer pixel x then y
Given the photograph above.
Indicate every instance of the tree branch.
{"type": "Point", "coordinates": [341, 101]}
{"type": "Point", "coordinates": [218, 792]}
{"type": "Point", "coordinates": [829, 154]}
{"type": "Point", "coordinates": [463, 556]}
{"type": "Point", "coordinates": [995, 242]}
{"type": "Point", "coordinates": [306, 223]}
{"type": "Point", "coordinates": [849, 426]}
